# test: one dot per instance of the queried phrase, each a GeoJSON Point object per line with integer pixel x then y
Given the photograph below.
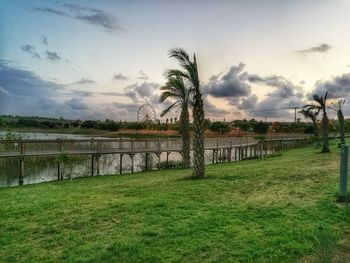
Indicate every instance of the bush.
{"type": "Point", "coordinates": [218, 126]}
{"type": "Point", "coordinates": [260, 127]}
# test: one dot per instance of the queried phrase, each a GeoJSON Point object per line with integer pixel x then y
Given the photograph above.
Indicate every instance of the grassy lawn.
{"type": "Point", "coordinates": [280, 209]}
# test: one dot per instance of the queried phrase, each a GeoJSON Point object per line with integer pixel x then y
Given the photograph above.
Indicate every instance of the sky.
{"type": "Point", "coordinates": [103, 59]}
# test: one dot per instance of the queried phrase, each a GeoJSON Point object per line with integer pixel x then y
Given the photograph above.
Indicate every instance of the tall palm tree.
{"type": "Point", "coordinates": [176, 91]}
{"type": "Point", "coordinates": [338, 107]}
{"type": "Point", "coordinates": [310, 113]}
{"type": "Point", "coordinates": [190, 75]}
{"type": "Point", "coordinates": [321, 106]}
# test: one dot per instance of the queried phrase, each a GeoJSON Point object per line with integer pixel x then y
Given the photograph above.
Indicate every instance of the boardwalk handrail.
{"type": "Point", "coordinates": [17, 148]}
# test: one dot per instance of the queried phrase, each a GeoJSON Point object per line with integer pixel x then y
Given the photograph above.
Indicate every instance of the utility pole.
{"type": "Point", "coordinates": [295, 113]}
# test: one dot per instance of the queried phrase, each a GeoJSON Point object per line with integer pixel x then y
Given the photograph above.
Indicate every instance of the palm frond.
{"type": "Point", "coordinates": [319, 100]}
{"type": "Point", "coordinates": [167, 110]}
{"type": "Point", "coordinates": [167, 94]}
{"type": "Point", "coordinates": [315, 109]}
{"type": "Point", "coordinates": [181, 55]}
{"type": "Point", "coordinates": [176, 72]}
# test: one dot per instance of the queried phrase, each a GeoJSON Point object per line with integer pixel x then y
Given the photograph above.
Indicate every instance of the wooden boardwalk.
{"type": "Point", "coordinates": [245, 147]}
{"type": "Point", "coordinates": [37, 148]}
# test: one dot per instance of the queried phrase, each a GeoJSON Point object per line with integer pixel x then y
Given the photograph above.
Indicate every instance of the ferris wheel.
{"type": "Point", "coordinates": [146, 113]}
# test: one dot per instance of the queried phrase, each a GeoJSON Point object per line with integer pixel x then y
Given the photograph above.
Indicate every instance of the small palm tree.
{"type": "Point", "coordinates": [321, 106]}
{"type": "Point", "coordinates": [176, 91]}
{"type": "Point", "coordinates": [190, 75]}
{"type": "Point", "coordinates": [338, 107]}
{"type": "Point", "coordinates": [310, 113]}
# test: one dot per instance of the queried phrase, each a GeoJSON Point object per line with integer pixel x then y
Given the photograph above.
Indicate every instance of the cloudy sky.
{"type": "Point", "coordinates": [102, 59]}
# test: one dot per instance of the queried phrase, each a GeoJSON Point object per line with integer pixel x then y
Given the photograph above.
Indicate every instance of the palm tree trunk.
{"type": "Point", "coordinates": [316, 133]}
{"type": "Point", "coordinates": [325, 146]}
{"type": "Point", "coordinates": [341, 126]}
{"type": "Point", "coordinates": [186, 138]}
{"type": "Point", "coordinates": [198, 142]}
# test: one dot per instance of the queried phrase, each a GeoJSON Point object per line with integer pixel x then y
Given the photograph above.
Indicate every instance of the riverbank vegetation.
{"type": "Point", "coordinates": [60, 125]}
{"type": "Point", "coordinates": [252, 211]}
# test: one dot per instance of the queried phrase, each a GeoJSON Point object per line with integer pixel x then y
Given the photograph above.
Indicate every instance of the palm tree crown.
{"type": "Point", "coordinates": [175, 90]}
{"type": "Point", "coordinates": [322, 106]}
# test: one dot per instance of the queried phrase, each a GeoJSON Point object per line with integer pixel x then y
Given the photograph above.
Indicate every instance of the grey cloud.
{"type": "Point", "coordinates": [77, 104]}
{"type": "Point", "coordinates": [337, 87]}
{"type": "Point", "coordinates": [53, 56]}
{"type": "Point", "coordinates": [142, 75]}
{"type": "Point", "coordinates": [112, 93]}
{"type": "Point", "coordinates": [85, 14]}
{"type": "Point", "coordinates": [24, 90]}
{"type": "Point", "coordinates": [274, 105]}
{"type": "Point", "coordinates": [231, 84]}
{"type": "Point", "coordinates": [85, 81]}
{"type": "Point", "coordinates": [4, 91]}
{"type": "Point", "coordinates": [120, 77]}
{"type": "Point", "coordinates": [30, 50]}
{"type": "Point", "coordinates": [81, 93]}
{"type": "Point", "coordinates": [23, 82]}
{"type": "Point", "coordinates": [317, 49]}
{"type": "Point", "coordinates": [144, 92]}
{"type": "Point", "coordinates": [50, 11]}
{"type": "Point", "coordinates": [252, 77]}
{"type": "Point", "coordinates": [277, 103]}
{"type": "Point", "coordinates": [249, 102]}
{"type": "Point", "coordinates": [211, 110]}
{"type": "Point", "coordinates": [44, 40]}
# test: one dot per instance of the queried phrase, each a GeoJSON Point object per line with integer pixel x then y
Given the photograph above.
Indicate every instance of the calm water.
{"type": "Point", "coordinates": [44, 169]}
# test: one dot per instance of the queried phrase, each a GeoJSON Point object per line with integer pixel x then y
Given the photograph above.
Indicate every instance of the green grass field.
{"type": "Point", "coordinates": [280, 209]}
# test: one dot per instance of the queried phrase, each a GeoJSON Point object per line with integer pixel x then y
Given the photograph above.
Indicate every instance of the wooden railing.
{"type": "Point", "coordinates": [17, 148]}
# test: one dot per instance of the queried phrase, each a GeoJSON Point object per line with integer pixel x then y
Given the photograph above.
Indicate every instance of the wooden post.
{"type": "Point", "coordinates": [159, 162]}
{"type": "Point", "coordinates": [133, 146]}
{"type": "Point", "coordinates": [121, 164]}
{"type": "Point", "coordinates": [92, 145]}
{"type": "Point", "coordinates": [159, 145]}
{"type": "Point", "coordinates": [60, 161]}
{"type": "Point", "coordinates": [146, 162]}
{"type": "Point", "coordinates": [21, 165]}
{"type": "Point", "coordinates": [132, 163]}
{"type": "Point", "coordinates": [97, 164]}
{"type": "Point", "coordinates": [92, 164]}
{"type": "Point", "coordinates": [98, 150]}
{"type": "Point", "coordinates": [167, 158]}
{"type": "Point", "coordinates": [58, 170]}
{"type": "Point", "coordinates": [255, 150]}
